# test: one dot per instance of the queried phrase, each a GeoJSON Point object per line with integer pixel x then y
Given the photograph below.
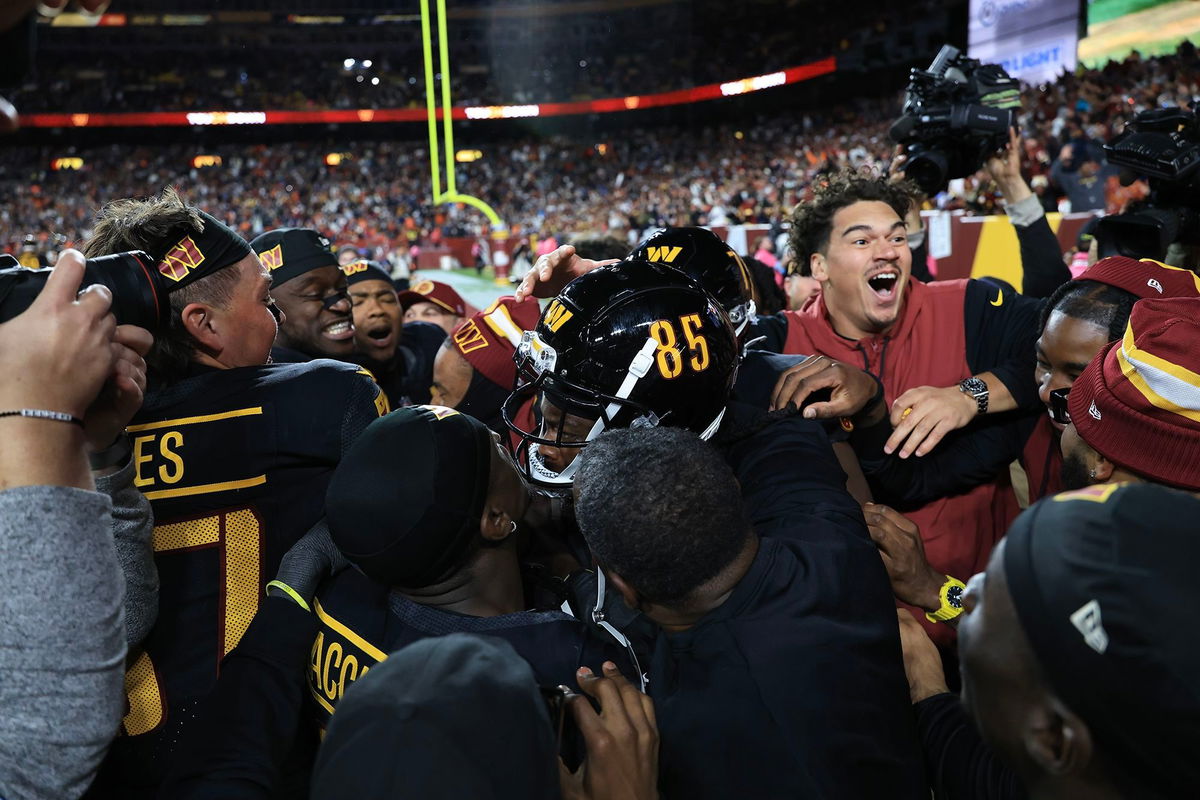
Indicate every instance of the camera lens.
{"type": "Point", "coordinates": [139, 298]}
{"type": "Point", "coordinates": [929, 170]}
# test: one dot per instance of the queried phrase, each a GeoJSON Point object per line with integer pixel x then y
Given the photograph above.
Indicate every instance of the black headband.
{"type": "Point", "coordinates": [199, 254]}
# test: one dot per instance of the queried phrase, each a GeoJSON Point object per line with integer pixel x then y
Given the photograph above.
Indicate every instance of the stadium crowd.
{"type": "Point", "coordinates": [648, 177]}
{"type": "Point", "coordinates": [494, 59]}
{"type": "Point", "coordinates": [276, 526]}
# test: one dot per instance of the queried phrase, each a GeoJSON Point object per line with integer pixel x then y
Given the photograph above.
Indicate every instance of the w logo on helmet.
{"type": "Point", "coordinates": [181, 259]}
{"type": "Point", "coordinates": [556, 316]}
{"type": "Point", "coordinates": [667, 254]}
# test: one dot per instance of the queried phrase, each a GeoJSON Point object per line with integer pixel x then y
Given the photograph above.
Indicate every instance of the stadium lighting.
{"type": "Point", "coordinates": [330, 116]}
{"type": "Point", "coordinates": [367, 64]}
{"type": "Point", "coordinates": [348, 63]}
{"type": "Point", "coordinates": [66, 163]}
{"type": "Point", "coordinates": [359, 79]}
{"type": "Point", "coordinates": [374, 81]}
{"type": "Point", "coordinates": [467, 156]}
{"type": "Point", "coordinates": [333, 159]}
{"type": "Point", "coordinates": [206, 161]}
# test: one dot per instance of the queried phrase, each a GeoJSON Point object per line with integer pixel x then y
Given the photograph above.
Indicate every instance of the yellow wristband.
{"type": "Point", "coordinates": [292, 593]}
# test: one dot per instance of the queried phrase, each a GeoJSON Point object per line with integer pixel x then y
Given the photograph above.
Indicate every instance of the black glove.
{"type": "Point", "coordinates": [303, 567]}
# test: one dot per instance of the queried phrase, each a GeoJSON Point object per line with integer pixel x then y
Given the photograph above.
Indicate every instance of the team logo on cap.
{"type": "Point", "coordinates": [354, 268]}
{"type": "Point", "coordinates": [1093, 411]}
{"type": "Point", "coordinates": [424, 287]}
{"type": "Point", "coordinates": [181, 259]}
{"type": "Point", "coordinates": [272, 259]}
{"type": "Point", "coordinates": [1087, 621]}
{"type": "Point", "coordinates": [1155, 285]}
{"type": "Point", "coordinates": [469, 338]}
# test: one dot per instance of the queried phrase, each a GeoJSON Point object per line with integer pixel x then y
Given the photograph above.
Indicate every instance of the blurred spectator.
{"type": "Point", "coordinates": [434, 302]}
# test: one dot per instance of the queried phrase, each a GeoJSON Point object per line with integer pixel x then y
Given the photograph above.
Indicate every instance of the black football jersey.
{"type": "Point", "coordinates": [362, 621]}
{"type": "Point", "coordinates": [235, 464]}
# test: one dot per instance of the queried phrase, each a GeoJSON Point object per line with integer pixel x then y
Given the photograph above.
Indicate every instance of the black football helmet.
{"type": "Point", "coordinates": [626, 345]}
{"type": "Point", "coordinates": [700, 253]}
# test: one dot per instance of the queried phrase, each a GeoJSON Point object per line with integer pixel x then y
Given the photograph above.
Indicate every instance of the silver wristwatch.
{"type": "Point", "coordinates": [978, 389]}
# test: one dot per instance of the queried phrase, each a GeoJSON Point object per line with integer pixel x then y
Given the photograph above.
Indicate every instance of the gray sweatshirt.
{"type": "Point", "coordinates": [62, 640]}
{"type": "Point", "coordinates": [133, 532]}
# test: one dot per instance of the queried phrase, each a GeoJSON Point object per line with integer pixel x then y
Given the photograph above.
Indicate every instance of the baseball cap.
{"type": "Point", "coordinates": [488, 339]}
{"type": "Point", "coordinates": [1103, 583]}
{"type": "Point", "coordinates": [358, 271]}
{"type": "Point", "coordinates": [1143, 277]}
{"type": "Point", "coordinates": [405, 502]}
{"type": "Point", "coordinates": [434, 292]}
{"type": "Point", "coordinates": [416, 725]}
{"type": "Point", "coordinates": [1137, 402]}
{"type": "Point", "coordinates": [290, 252]}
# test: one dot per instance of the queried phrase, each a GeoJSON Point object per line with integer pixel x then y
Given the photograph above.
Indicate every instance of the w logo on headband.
{"type": "Point", "coordinates": [181, 259]}
{"type": "Point", "coordinates": [354, 268]}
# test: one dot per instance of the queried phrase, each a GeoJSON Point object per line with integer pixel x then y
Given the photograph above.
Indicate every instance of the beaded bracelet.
{"type": "Point", "coordinates": [40, 413]}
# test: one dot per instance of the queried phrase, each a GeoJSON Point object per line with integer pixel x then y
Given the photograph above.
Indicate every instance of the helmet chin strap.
{"type": "Point", "coordinates": [751, 315]}
{"type": "Point", "coordinates": [711, 430]}
{"type": "Point", "coordinates": [601, 620]}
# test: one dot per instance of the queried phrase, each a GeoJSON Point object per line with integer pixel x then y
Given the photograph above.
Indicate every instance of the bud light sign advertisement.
{"type": "Point", "coordinates": [1034, 40]}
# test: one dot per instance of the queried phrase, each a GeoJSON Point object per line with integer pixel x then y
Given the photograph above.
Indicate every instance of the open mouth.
{"type": "Point", "coordinates": [340, 330]}
{"type": "Point", "coordinates": [380, 336]}
{"type": "Point", "coordinates": [884, 284]}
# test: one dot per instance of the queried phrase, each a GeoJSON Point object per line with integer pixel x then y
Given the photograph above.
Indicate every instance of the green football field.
{"type": "Point", "coordinates": [1104, 10]}
{"type": "Point", "coordinates": [1152, 27]}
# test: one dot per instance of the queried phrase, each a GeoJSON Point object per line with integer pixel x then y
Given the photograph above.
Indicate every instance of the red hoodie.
{"type": "Point", "coordinates": [927, 346]}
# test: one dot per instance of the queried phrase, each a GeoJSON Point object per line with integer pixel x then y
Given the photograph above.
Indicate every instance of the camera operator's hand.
{"type": "Point", "coordinates": [54, 356]}
{"type": "Point", "coordinates": [621, 741]}
{"type": "Point", "coordinates": [122, 394]}
{"type": "Point", "coordinates": [924, 414]}
{"type": "Point", "coordinates": [58, 353]}
{"type": "Point", "coordinates": [851, 389]}
{"type": "Point", "coordinates": [551, 272]}
{"type": "Point", "coordinates": [899, 541]}
{"type": "Point", "coordinates": [1005, 169]}
{"type": "Point", "coordinates": [922, 663]}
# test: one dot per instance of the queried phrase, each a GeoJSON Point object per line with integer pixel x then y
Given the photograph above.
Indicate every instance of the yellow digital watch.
{"type": "Point", "coordinates": [951, 598]}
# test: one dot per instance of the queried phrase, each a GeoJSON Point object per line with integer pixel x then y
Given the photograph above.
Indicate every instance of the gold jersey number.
{"type": "Point", "coordinates": [669, 356]}
{"type": "Point", "coordinates": [237, 534]}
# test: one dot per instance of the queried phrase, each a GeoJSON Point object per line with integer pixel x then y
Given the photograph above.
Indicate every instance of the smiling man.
{"type": "Point", "coordinates": [967, 335]}
{"type": "Point", "coordinates": [311, 290]}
